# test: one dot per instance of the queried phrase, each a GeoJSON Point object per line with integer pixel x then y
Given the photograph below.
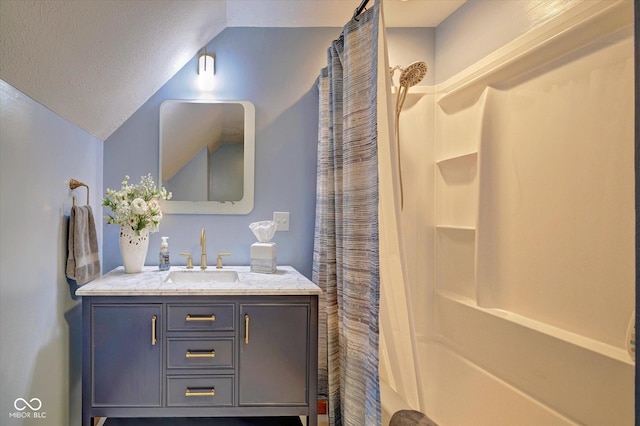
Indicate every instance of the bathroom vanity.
{"type": "Point", "coordinates": [157, 348]}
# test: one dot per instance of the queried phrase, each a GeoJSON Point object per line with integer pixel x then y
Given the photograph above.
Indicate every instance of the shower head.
{"type": "Point", "coordinates": [409, 76]}
{"type": "Point", "coordinates": [413, 74]}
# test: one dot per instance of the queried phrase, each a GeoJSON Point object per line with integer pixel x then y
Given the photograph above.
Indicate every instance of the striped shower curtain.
{"type": "Point", "coordinates": [346, 248]}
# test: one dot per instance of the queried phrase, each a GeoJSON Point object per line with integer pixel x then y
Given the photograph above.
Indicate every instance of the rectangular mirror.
{"type": "Point", "coordinates": [207, 151]}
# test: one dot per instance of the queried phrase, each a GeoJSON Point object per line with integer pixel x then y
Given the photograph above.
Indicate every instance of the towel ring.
{"type": "Point", "coordinates": [73, 184]}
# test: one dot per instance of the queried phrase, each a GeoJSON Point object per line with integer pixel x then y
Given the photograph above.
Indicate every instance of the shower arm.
{"type": "Point", "coordinates": [392, 71]}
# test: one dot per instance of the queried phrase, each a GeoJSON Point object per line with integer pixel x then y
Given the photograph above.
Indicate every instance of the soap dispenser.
{"type": "Point", "coordinates": [164, 263]}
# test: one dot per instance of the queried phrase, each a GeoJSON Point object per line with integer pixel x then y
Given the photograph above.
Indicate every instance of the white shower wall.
{"type": "Point", "coordinates": [518, 229]}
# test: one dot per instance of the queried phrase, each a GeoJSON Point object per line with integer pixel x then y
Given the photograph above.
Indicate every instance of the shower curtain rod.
{"type": "Point", "coordinates": [360, 8]}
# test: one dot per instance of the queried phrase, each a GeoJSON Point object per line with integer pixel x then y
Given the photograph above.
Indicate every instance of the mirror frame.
{"type": "Point", "coordinates": [243, 206]}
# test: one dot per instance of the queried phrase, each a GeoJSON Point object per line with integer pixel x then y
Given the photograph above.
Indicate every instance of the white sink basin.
{"type": "Point", "coordinates": [208, 276]}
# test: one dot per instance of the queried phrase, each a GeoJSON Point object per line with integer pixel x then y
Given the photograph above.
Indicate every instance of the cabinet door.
{"type": "Point", "coordinates": [126, 351]}
{"type": "Point", "coordinates": [274, 354]}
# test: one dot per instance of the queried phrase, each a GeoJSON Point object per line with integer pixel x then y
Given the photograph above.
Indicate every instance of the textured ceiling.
{"type": "Point", "coordinates": [96, 62]}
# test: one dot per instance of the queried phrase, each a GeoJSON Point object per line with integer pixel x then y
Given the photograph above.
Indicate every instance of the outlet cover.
{"type": "Point", "coordinates": [282, 220]}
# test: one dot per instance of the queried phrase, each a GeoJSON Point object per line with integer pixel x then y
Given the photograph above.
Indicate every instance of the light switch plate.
{"type": "Point", "coordinates": [282, 220]}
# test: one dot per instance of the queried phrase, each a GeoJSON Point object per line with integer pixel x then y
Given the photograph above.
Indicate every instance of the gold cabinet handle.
{"type": "Point", "coordinates": [211, 317]}
{"type": "Point", "coordinates": [154, 339]}
{"type": "Point", "coordinates": [200, 392]}
{"type": "Point", "coordinates": [246, 329]}
{"type": "Point", "coordinates": [200, 354]}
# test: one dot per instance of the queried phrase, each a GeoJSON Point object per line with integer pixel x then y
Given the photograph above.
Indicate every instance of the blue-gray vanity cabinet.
{"type": "Point", "coordinates": [200, 356]}
{"type": "Point", "coordinates": [127, 355]}
{"type": "Point", "coordinates": [273, 354]}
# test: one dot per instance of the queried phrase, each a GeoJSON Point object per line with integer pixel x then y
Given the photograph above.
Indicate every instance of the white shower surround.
{"type": "Point", "coordinates": [539, 337]}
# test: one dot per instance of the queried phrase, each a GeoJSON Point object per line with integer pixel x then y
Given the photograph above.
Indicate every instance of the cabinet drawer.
{"type": "Point", "coordinates": [200, 353]}
{"type": "Point", "coordinates": [200, 317]}
{"type": "Point", "coordinates": [200, 391]}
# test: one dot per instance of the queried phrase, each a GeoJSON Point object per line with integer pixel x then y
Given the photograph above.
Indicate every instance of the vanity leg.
{"type": "Point", "coordinates": [312, 420]}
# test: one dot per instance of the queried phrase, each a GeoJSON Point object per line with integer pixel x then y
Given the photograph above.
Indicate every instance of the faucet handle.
{"type": "Point", "coordinates": [189, 260]}
{"type": "Point", "coordinates": [219, 260]}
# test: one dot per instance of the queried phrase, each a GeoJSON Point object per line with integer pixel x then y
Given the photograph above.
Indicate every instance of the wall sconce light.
{"type": "Point", "coordinates": [206, 64]}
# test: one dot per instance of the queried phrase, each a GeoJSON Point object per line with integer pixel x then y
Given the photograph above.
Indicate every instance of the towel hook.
{"type": "Point", "coordinates": [73, 184]}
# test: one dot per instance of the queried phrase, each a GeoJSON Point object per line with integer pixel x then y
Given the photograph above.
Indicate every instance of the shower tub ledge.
{"type": "Point", "coordinates": [567, 378]}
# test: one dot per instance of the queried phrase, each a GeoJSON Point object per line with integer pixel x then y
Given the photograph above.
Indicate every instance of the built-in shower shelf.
{"type": "Point", "coordinates": [458, 160]}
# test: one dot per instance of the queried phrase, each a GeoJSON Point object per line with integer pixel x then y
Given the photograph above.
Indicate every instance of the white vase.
{"type": "Point", "coordinates": [133, 248]}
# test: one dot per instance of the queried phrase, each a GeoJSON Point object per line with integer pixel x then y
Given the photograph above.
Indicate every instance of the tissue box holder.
{"type": "Point", "coordinates": [263, 258]}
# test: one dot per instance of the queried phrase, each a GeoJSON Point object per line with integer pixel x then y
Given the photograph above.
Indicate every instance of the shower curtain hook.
{"type": "Point", "coordinates": [359, 9]}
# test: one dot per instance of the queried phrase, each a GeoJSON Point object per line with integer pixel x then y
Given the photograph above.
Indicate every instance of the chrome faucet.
{"type": "Point", "coordinates": [203, 244]}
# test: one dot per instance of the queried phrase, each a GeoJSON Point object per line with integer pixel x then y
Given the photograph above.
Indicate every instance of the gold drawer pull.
{"type": "Point", "coordinates": [211, 317]}
{"type": "Point", "coordinates": [154, 339]}
{"type": "Point", "coordinates": [246, 329]}
{"type": "Point", "coordinates": [200, 354]}
{"type": "Point", "coordinates": [207, 392]}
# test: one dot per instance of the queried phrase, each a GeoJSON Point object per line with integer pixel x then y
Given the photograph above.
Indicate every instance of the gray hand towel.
{"type": "Point", "coordinates": [83, 262]}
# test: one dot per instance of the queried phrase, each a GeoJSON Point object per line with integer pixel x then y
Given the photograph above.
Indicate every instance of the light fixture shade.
{"type": "Point", "coordinates": [206, 65]}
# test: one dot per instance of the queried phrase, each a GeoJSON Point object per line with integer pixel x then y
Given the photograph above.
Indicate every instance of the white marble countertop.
{"type": "Point", "coordinates": [152, 282]}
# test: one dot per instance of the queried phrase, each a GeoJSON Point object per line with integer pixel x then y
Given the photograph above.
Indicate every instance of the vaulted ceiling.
{"type": "Point", "coordinates": [96, 62]}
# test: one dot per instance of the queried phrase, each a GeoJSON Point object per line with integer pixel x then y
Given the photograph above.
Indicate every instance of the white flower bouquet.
{"type": "Point", "coordinates": [136, 205]}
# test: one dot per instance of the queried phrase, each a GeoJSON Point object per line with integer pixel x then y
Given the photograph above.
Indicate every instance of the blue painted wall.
{"type": "Point", "coordinates": [276, 69]}
{"type": "Point", "coordinates": [40, 336]}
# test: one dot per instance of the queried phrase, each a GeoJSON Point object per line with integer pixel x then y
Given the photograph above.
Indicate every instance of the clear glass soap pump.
{"type": "Point", "coordinates": [164, 263]}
